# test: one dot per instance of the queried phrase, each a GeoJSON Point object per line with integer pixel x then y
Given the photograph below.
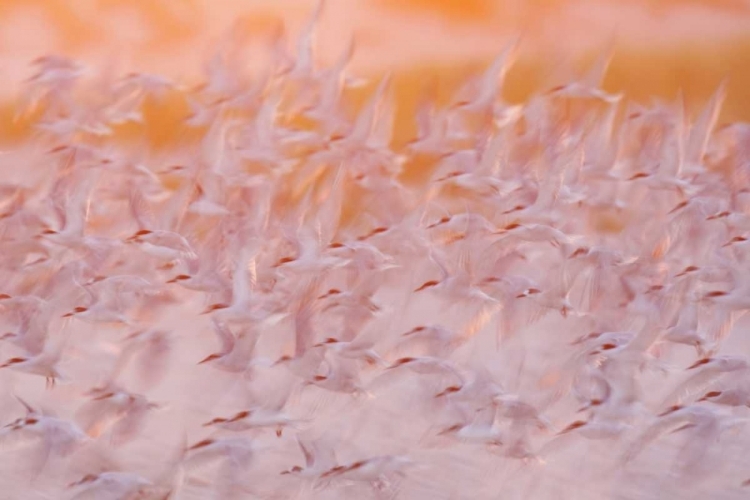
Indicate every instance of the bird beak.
{"type": "Point", "coordinates": [686, 426]}
{"type": "Point", "coordinates": [678, 207]}
{"type": "Point", "coordinates": [699, 363]}
{"type": "Point", "coordinates": [214, 421]}
{"type": "Point", "coordinates": [571, 427]}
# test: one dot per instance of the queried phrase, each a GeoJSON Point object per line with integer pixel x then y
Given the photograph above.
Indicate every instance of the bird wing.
{"type": "Point", "coordinates": [704, 126]}
{"type": "Point", "coordinates": [652, 432]}
{"type": "Point", "coordinates": [694, 383]}
{"type": "Point", "coordinates": [140, 209]}
{"type": "Point", "coordinates": [127, 427]}
{"type": "Point", "coordinates": [307, 451]}
{"type": "Point", "coordinates": [692, 454]}
{"type": "Point", "coordinates": [485, 417]}
{"type": "Point", "coordinates": [304, 333]}
{"type": "Point", "coordinates": [225, 335]}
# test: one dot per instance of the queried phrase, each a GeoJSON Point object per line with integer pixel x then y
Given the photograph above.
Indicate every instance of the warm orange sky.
{"type": "Point", "coordinates": [661, 45]}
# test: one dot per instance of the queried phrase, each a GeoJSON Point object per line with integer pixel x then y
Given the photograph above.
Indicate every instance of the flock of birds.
{"type": "Point", "coordinates": [286, 309]}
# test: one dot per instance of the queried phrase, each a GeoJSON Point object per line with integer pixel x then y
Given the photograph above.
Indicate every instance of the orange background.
{"type": "Point", "coordinates": [660, 45]}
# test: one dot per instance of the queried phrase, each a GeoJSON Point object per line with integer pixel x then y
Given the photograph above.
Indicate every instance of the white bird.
{"type": "Point", "coordinates": [256, 418]}
{"type": "Point", "coordinates": [332, 84]}
{"type": "Point", "coordinates": [598, 342]}
{"type": "Point", "coordinates": [58, 437]}
{"type": "Point", "coordinates": [245, 306]}
{"type": "Point", "coordinates": [737, 298]}
{"type": "Point", "coordinates": [552, 298]}
{"type": "Point", "coordinates": [112, 298]}
{"type": "Point", "coordinates": [478, 428]}
{"type": "Point", "coordinates": [310, 257]}
{"type": "Point", "coordinates": [514, 233]}
{"type": "Point", "coordinates": [355, 349]}
{"type": "Point", "coordinates": [236, 353]}
{"type": "Point", "coordinates": [44, 364]}
{"type": "Point", "coordinates": [594, 428]}
{"type": "Point", "coordinates": [432, 127]}
{"type": "Point", "coordinates": [150, 351]}
{"type": "Point", "coordinates": [704, 426]}
{"type": "Point", "coordinates": [73, 210]}
{"type": "Point", "coordinates": [685, 330]}
{"type": "Point", "coordinates": [735, 396]}
{"type": "Point", "coordinates": [425, 365]}
{"type": "Point", "coordinates": [455, 285]}
{"type": "Point", "coordinates": [206, 272]}
{"type": "Point", "coordinates": [511, 406]}
{"type": "Point", "coordinates": [436, 340]}
{"type": "Point", "coordinates": [483, 98]}
{"type": "Point", "coordinates": [319, 458]}
{"type": "Point", "coordinates": [479, 390]}
{"type": "Point", "coordinates": [342, 375]}
{"type": "Point", "coordinates": [374, 470]}
{"type": "Point", "coordinates": [163, 244]}
{"type": "Point", "coordinates": [110, 485]}
{"type": "Point", "coordinates": [35, 315]}
{"type": "Point", "coordinates": [121, 412]}
{"type": "Point", "coordinates": [237, 451]}
{"type": "Point", "coordinates": [704, 371]}
{"type": "Point", "coordinates": [234, 456]}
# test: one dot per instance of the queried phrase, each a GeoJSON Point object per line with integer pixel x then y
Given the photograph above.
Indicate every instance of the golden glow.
{"type": "Point", "coordinates": [420, 40]}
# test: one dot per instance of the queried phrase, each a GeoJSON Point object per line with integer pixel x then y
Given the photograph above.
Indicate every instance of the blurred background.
{"type": "Point", "coordinates": [659, 46]}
